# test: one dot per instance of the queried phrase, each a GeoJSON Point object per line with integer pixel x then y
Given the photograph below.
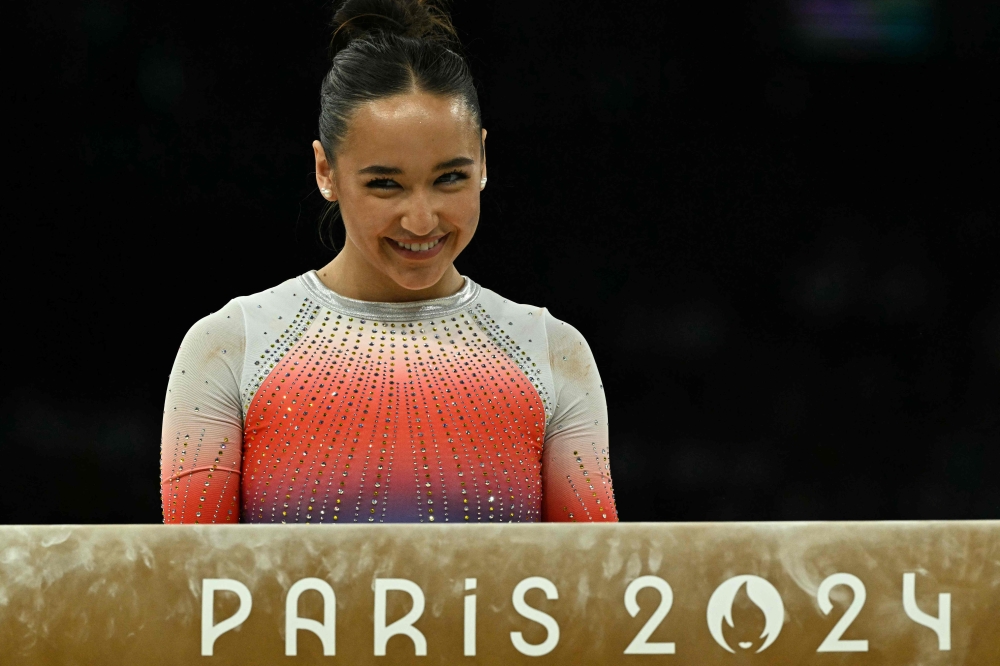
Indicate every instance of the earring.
{"type": "Point", "coordinates": [324, 191]}
{"type": "Point", "coordinates": [482, 183]}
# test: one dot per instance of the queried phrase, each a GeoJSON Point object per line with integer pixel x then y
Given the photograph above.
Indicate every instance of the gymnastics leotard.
{"type": "Point", "coordinates": [297, 404]}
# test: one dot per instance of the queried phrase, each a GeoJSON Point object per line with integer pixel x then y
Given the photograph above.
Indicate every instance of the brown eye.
{"type": "Point", "coordinates": [452, 177]}
{"type": "Point", "coordinates": [382, 184]}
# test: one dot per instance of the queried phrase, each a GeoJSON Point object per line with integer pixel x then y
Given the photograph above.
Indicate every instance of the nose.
{"type": "Point", "coordinates": [420, 218]}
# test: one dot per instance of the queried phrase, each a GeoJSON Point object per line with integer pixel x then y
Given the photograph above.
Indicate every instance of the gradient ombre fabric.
{"type": "Point", "coordinates": [300, 405]}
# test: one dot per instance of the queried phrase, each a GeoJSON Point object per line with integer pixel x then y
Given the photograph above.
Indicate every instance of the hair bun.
{"type": "Point", "coordinates": [419, 19]}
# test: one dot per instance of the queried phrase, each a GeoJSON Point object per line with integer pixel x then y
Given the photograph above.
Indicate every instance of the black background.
{"type": "Point", "coordinates": [784, 260]}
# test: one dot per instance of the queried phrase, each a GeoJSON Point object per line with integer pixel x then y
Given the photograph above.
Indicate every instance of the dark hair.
{"type": "Point", "coordinates": [382, 48]}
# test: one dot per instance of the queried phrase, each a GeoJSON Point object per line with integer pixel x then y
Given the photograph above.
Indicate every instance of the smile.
{"type": "Point", "coordinates": [418, 251]}
{"type": "Point", "coordinates": [419, 247]}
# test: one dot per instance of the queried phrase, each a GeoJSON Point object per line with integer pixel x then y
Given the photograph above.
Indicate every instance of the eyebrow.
{"type": "Point", "coordinates": [455, 162]}
{"type": "Point", "coordinates": [381, 170]}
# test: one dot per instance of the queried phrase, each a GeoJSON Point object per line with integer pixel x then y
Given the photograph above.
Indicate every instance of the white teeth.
{"type": "Point", "coordinates": [418, 247]}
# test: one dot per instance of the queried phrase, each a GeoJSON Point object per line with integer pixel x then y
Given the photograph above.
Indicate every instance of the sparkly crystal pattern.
{"type": "Point", "coordinates": [501, 338]}
{"type": "Point", "coordinates": [282, 344]}
{"type": "Point", "coordinates": [300, 405]}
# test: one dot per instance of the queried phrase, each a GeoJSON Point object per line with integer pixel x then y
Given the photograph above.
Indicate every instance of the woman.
{"type": "Point", "coordinates": [387, 387]}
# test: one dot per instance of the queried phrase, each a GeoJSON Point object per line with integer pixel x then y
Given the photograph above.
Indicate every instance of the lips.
{"type": "Point", "coordinates": [419, 247]}
{"type": "Point", "coordinates": [418, 250]}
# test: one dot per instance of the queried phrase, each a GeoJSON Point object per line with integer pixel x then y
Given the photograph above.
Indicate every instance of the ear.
{"type": "Point", "coordinates": [324, 174]}
{"type": "Point", "coordinates": [483, 144]}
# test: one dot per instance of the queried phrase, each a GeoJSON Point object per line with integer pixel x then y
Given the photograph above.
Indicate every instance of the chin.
{"type": "Point", "coordinates": [417, 280]}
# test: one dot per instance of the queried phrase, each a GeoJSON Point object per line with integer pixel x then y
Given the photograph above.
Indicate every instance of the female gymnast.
{"type": "Point", "coordinates": [386, 386]}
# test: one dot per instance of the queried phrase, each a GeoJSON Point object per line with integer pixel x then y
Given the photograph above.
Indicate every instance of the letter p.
{"type": "Point", "coordinates": [211, 631]}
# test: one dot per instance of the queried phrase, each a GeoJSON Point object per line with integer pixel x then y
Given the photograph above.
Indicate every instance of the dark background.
{"type": "Point", "coordinates": [782, 248]}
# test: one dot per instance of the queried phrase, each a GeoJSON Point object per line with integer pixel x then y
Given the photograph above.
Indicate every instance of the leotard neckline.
{"type": "Point", "coordinates": [384, 311]}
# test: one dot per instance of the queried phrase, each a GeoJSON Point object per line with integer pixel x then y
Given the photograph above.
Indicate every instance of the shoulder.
{"type": "Point", "coordinates": [209, 358]}
{"type": "Point", "coordinates": [275, 317]}
{"type": "Point", "coordinates": [231, 318]}
{"type": "Point", "coordinates": [226, 330]}
{"type": "Point", "coordinates": [561, 337]}
{"type": "Point", "coordinates": [507, 311]}
{"type": "Point", "coordinates": [562, 334]}
{"type": "Point", "coordinates": [292, 291]}
{"type": "Point", "coordinates": [226, 322]}
{"type": "Point", "coordinates": [558, 347]}
{"type": "Point", "coordinates": [569, 354]}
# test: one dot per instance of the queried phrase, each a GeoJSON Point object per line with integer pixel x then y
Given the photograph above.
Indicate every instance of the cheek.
{"type": "Point", "coordinates": [463, 211]}
{"type": "Point", "coordinates": [364, 217]}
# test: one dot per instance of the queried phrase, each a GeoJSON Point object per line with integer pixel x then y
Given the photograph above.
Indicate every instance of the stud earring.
{"type": "Point", "coordinates": [324, 191]}
{"type": "Point", "coordinates": [482, 183]}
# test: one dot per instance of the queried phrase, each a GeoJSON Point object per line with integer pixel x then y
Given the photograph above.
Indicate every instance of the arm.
{"type": "Point", "coordinates": [576, 472]}
{"type": "Point", "coordinates": [202, 438]}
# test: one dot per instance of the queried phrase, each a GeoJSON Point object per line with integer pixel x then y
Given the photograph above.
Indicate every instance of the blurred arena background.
{"type": "Point", "coordinates": [793, 205]}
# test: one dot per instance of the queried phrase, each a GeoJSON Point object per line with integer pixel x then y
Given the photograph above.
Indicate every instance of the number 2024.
{"type": "Point", "coordinates": [941, 625]}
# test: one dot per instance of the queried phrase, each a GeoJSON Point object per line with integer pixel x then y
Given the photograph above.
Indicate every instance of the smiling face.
{"type": "Point", "coordinates": [407, 177]}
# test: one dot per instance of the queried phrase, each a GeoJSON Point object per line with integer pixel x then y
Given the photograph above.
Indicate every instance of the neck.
{"type": "Point", "coordinates": [350, 275]}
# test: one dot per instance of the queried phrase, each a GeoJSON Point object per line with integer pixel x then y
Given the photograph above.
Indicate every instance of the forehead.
{"type": "Point", "coordinates": [413, 129]}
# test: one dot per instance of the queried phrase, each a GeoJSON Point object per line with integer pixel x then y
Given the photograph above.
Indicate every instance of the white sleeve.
{"type": "Point", "coordinates": [202, 436]}
{"type": "Point", "coordinates": [576, 472]}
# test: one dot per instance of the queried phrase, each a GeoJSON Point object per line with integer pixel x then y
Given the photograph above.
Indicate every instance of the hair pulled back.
{"type": "Point", "coordinates": [382, 48]}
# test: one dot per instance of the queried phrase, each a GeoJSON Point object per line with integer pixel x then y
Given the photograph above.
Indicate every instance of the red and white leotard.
{"type": "Point", "coordinates": [298, 404]}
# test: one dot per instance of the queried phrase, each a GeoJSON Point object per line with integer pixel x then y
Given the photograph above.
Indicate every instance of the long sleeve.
{"type": "Point", "coordinates": [296, 404]}
{"type": "Point", "coordinates": [576, 472]}
{"type": "Point", "coordinates": [202, 435]}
